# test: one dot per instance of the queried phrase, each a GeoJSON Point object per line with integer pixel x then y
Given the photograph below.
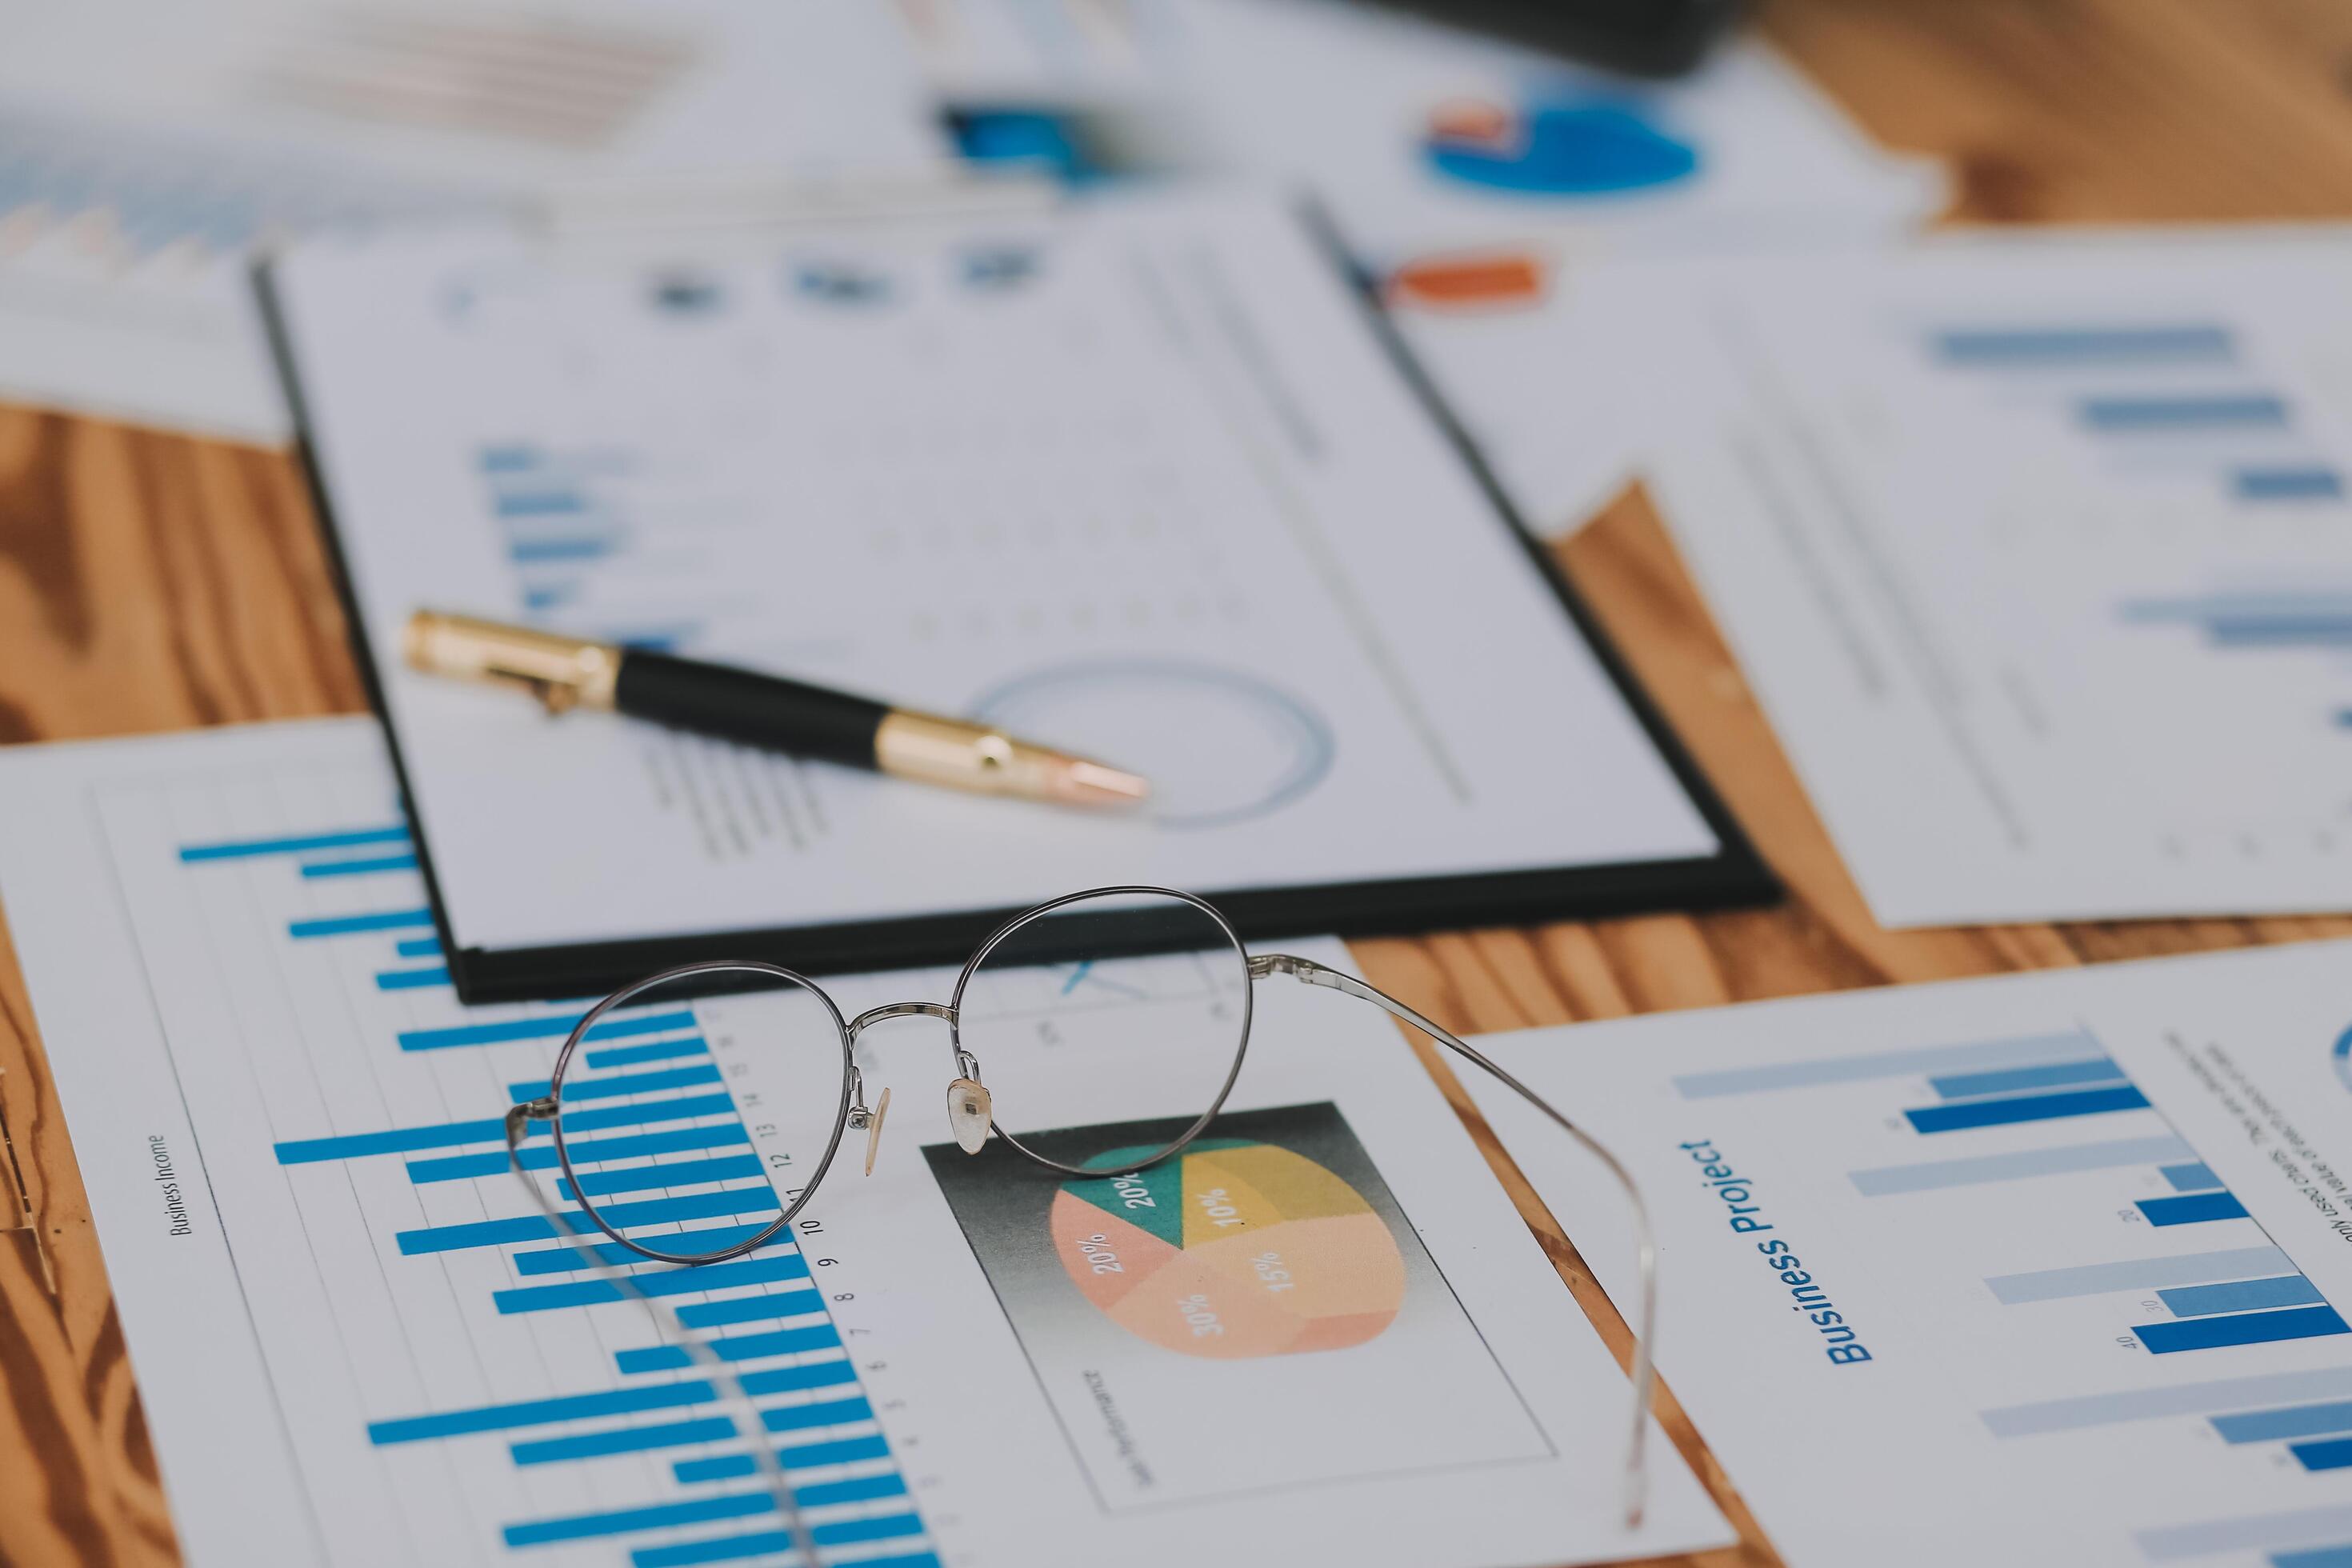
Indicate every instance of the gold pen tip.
{"type": "Point", "coordinates": [1097, 783]}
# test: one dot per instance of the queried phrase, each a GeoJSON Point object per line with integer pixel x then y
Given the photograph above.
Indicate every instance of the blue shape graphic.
{"type": "Point", "coordinates": [1568, 147]}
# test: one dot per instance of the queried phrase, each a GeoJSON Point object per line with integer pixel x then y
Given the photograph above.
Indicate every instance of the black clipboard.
{"type": "Point", "coordinates": [1734, 876]}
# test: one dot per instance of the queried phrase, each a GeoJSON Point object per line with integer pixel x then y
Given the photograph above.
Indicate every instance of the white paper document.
{"type": "Point", "coordinates": [2038, 1270]}
{"type": "Point", "coordinates": [2036, 552]}
{"type": "Point", "coordinates": [147, 153]}
{"type": "Point", "coordinates": [1323, 1334]}
{"type": "Point", "coordinates": [1138, 480]}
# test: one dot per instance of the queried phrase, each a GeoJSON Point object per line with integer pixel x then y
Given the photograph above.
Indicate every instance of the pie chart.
{"type": "Point", "coordinates": [1232, 1250]}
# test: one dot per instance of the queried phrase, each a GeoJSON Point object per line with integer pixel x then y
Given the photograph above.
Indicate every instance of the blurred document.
{"type": "Point", "coordinates": [147, 151]}
{"type": "Point", "coordinates": [1473, 178]}
{"type": "Point", "coordinates": [1322, 1333]}
{"type": "Point", "coordinates": [2045, 1271]}
{"type": "Point", "coordinates": [1139, 480]}
{"type": "Point", "coordinates": [2038, 553]}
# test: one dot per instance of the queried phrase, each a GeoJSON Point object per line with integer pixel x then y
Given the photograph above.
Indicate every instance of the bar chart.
{"type": "Point", "coordinates": [668, 1158]}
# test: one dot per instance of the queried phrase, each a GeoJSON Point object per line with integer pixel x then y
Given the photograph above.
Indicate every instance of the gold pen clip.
{"type": "Point", "coordinates": [562, 672]}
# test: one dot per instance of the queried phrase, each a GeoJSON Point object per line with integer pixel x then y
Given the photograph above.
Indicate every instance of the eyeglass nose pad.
{"type": "Point", "coordinates": [970, 1112]}
{"type": "Point", "coordinates": [872, 1122]}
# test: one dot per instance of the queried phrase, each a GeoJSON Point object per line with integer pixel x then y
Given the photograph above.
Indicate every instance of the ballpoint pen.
{"type": "Point", "coordinates": [767, 710]}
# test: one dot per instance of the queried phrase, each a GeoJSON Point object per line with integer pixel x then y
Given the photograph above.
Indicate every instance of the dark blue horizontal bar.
{"type": "Point", "coordinates": [584, 1152]}
{"type": "Point", "coordinates": [419, 947]}
{"type": "Point", "coordinates": [579, 1088]}
{"type": "Point", "coordinates": [637, 1056]}
{"type": "Point", "coordinates": [2294, 1421]}
{"type": "Point", "coordinates": [245, 849]}
{"type": "Point", "coordinates": [680, 1281]}
{"type": "Point", "coordinates": [750, 1310]}
{"type": "Point", "coordinates": [629, 1520]}
{"type": "Point", "coordinates": [733, 1347]}
{"type": "Point", "coordinates": [567, 1259]}
{"type": "Point", "coordinates": [2241, 1296]}
{"type": "Point", "coordinates": [595, 1119]}
{"type": "Point", "coordinates": [397, 1140]}
{"type": "Point", "coordinates": [768, 1542]}
{"type": "Point", "coordinates": [552, 1028]}
{"type": "Point", "coordinates": [2228, 411]}
{"type": "Point", "coordinates": [2196, 1176]}
{"type": "Point", "coordinates": [2102, 345]}
{"type": "Point", "coordinates": [2025, 1107]}
{"type": "Point", "coordinates": [2191, 1208]}
{"type": "Point", "coordinates": [2018, 1080]}
{"type": "Point", "coordinates": [411, 979]}
{"type": "Point", "coordinates": [632, 1401]}
{"type": "Point", "coordinates": [2287, 484]}
{"type": "Point", "coordinates": [2313, 1557]}
{"type": "Point", "coordinates": [665, 1174]}
{"type": "Point", "coordinates": [801, 1417]}
{"type": "Point", "coordinates": [350, 925]}
{"type": "Point", "coordinates": [807, 1456]}
{"type": "Point", "coordinates": [535, 1227]}
{"type": "Point", "coordinates": [2241, 1329]}
{"type": "Point", "coordinates": [799, 1379]}
{"type": "Point", "coordinates": [624, 1440]}
{"type": "Point", "coordinates": [2332, 1453]}
{"type": "Point", "coordinates": [359, 867]}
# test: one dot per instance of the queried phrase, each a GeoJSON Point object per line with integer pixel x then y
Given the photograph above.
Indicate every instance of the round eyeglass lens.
{"type": "Point", "coordinates": [698, 1108]}
{"type": "Point", "coordinates": [1107, 1027]}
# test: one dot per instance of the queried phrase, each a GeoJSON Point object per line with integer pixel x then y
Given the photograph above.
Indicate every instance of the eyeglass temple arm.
{"type": "Point", "coordinates": [1644, 1375]}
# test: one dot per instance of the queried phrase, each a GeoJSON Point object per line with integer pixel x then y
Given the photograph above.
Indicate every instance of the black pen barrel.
{"type": "Point", "coordinates": [758, 710]}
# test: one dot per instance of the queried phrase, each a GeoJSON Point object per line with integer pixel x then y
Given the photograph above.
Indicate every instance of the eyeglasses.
{"type": "Point", "coordinates": [1048, 984]}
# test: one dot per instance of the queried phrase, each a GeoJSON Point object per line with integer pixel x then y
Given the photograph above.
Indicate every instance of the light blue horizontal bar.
{"type": "Point", "coordinates": [245, 849]}
{"type": "Point", "coordinates": [419, 947]}
{"type": "Point", "coordinates": [751, 1309]}
{"type": "Point", "coordinates": [2293, 1421]}
{"type": "Point", "coordinates": [629, 1520]}
{"type": "Point", "coordinates": [1931, 1175]}
{"type": "Point", "coordinates": [2195, 1176]}
{"type": "Point", "coordinates": [396, 1141]}
{"type": "Point", "coordinates": [351, 925]}
{"type": "Point", "coordinates": [2138, 1274]}
{"type": "Point", "coordinates": [624, 1440]}
{"type": "Point", "coordinates": [637, 1056]}
{"type": "Point", "coordinates": [2287, 484]}
{"type": "Point", "coordinates": [549, 1027]}
{"type": "Point", "coordinates": [411, 979]}
{"type": "Point", "coordinates": [2039, 346]}
{"type": "Point", "coordinates": [580, 1088]}
{"type": "Point", "coordinates": [807, 1456]}
{"type": "Point", "coordinates": [2029, 1051]}
{"type": "Point", "coordinates": [2248, 1532]}
{"type": "Point", "coordinates": [680, 1281]}
{"type": "Point", "coordinates": [733, 1347]}
{"type": "Point", "coordinates": [630, 1401]}
{"type": "Point", "coordinates": [585, 1151]}
{"type": "Point", "coordinates": [567, 1259]}
{"type": "Point", "coordinates": [2207, 1399]}
{"type": "Point", "coordinates": [2175, 412]}
{"type": "Point", "coordinates": [507, 459]}
{"type": "Point", "coordinates": [667, 1173]}
{"type": "Point", "coordinates": [2021, 1080]}
{"type": "Point", "coordinates": [2241, 1296]}
{"type": "Point", "coordinates": [366, 867]}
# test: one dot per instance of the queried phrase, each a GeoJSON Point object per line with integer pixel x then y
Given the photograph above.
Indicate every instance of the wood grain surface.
{"type": "Point", "coordinates": [149, 582]}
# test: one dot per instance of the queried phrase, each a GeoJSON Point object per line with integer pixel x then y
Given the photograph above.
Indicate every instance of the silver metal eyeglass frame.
{"type": "Point", "coordinates": [976, 1107]}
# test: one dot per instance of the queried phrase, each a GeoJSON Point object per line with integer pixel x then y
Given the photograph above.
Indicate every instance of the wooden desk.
{"type": "Point", "coordinates": [152, 583]}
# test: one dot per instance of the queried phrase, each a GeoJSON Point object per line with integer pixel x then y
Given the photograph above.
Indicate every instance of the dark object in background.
{"type": "Point", "coordinates": [1646, 37]}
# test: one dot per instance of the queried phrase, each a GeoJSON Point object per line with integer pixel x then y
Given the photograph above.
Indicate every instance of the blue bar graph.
{"type": "Point", "coordinates": [634, 1400]}
{"type": "Point", "coordinates": [751, 1309]}
{"type": "Point", "coordinates": [623, 1440]}
{"type": "Point", "coordinates": [2175, 413]}
{"type": "Point", "coordinates": [549, 1027]}
{"type": "Point", "coordinates": [585, 1151]}
{"type": "Point", "coordinates": [2315, 1557]}
{"type": "Point", "coordinates": [2191, 1208]}
{"type": "Point", "coordinates": [361, 867]}
{"type": "Point", "coordinates": [350, 925]}
{"type": "Point", "coordinates": [2031, 348]}
{"type": "Point", "coordinates": [2286, 484]}
{"type": "Point", "coordinates": [247, 848]}
{"type": "Point", "coordinates": [396, 1141]}
{"type": "Point", "coordinates": [1964, 1115]}
{"type": "Point", "coordinates": [2138, 1274]}
{"type": "Point", "coordinates": [2241, 1296]}
{"type": "Point", "coordinates": [2242, 1329]}
{"type": "Point", "coordinates": [539, 503]}
{"type": "Point", "coordinates": [2015, 1080]}
{"type": "Point", "coordinates": [535, 1227]}
{"type": "Point", "coordinates": [1978, 1170]}
{"type": "Point", "coordinates": [2031, 1050]}
{"type": "Point", "coordinates": [627, 1522]}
